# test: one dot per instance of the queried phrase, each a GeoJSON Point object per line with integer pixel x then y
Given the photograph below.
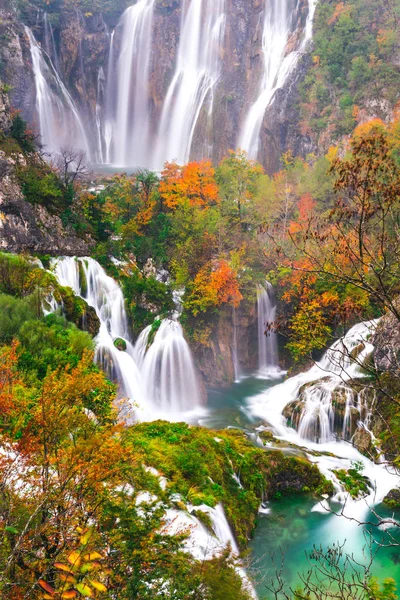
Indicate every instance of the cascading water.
{"type": "Point", "coordinates": [196, 75]}
{"type": "Point", "coordinates": [128, 79]}
{"type": "Point", "coordinates": [59, 120]}
{"type": "Point", "coordinates": [235, 348]}
{"type": "Point", "coordinates": [105, 296]}
{"type": "Point", "coordinates": [315, 390]}
{"type": "Point", "coordinates": [158, 379]}
{"type": "Point", "coordinates": [49, 41]}
{"type": "Point", "coordinates": [280, 23]}
{"type": "Point", "coordinates": [267, 337]}
{"type": "Point", "coordinates": [168, 371]}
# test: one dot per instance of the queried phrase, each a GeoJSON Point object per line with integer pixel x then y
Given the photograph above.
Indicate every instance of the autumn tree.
{"type": "Point", "coordinates": [194, 182]}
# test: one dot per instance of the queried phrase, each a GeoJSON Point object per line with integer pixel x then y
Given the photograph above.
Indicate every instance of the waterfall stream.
{"type": "Point", "coordinates": [59, 120]}
{"type": "Point", "coordinates": [131, 124]}
{"type": "Point", "coordinates": [280, 23]}
{"type": "Point", "coordinates": [158, 379]}
{"type": "Point", "coordinates": [315, 391]}
{"type": "Point", "coordinates": [196, 75]}
{"type": "Point", "coordinates": [128, 82]}
{"type": "Point", "coordinates": [267, 337]}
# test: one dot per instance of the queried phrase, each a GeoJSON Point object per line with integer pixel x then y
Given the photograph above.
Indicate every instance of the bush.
{"type": "Point", "coordinates": [14, 312]}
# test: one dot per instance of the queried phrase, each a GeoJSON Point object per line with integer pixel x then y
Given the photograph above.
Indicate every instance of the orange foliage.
{"type": "Point", "coordinates": [194, 182]}
{"type": "Point", "coordinates": [306, 207]}
{"type": "Point", "coordinates": [215, 284]}
{"type": "Point", "coordinates": [8, 365]}
{"type": "Point", "coordinates": [340, 10]}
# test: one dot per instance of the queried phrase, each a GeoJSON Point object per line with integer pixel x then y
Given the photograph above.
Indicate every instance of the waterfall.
{"type": "Point", "coordinates": [130, 125]}
{"type": "Point", "coordinates": [315, 391]}
{"type": "Point", "coordinates": [196, 75]}
{"type": "Point", "coordinates": [168, 371]}
{"type": "Point", "coordinates": [89, 280]}
{"type": "Point", "coordinates": [267, 337]}
{"type": "Point", "coordinates": [59, 120]}
{"type": "Point", "coordinates": [159, 378]}
{"type": "Point", "coordinates": [279, 25]}
{"type": "Point", "coordinates": [49, 42]}
{"type": "Point", "coordinates": [235, 349]}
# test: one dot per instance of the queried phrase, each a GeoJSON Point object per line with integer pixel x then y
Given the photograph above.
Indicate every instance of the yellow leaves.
{"type": "Point", "coordinates": [332, 154]}
{"type": "Point", "coordinates": [62, 567]}
{"type": "Point", "coordinates": [69, 594]}
{"type": "Point", "coordinates": [74, 558]}
{"type": "Point", "coordinates": [215, 284]}
{"type": "Point", "coordinates": [100, 587]}
{"type": "Point", "coordinates": [92, 556]}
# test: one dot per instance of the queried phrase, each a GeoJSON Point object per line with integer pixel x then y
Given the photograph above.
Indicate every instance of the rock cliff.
{"type": "Point", "coordinates": [24, 227]}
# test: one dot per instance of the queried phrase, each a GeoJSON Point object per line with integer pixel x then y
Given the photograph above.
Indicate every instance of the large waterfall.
{"type": "Point", "coordinates": [196, 74]}
{"type": "Point", "coordinates": [59, 120]}
{"type": "Point", "coordinates": [128, 82]}
{"type": "Point", "coordinates": [280, 22]}
{"type": "Point", "coordinates": [133, 119]}
{"type": "Point", "coordinates": [156, 379]}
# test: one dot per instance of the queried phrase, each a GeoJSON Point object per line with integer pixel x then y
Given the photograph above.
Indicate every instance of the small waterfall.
{"type": "Point", "coordinates": [315, 392]}
{"type": "Point", "coordinates": [169, 373]}
{"type": "Point", "coordinates": [59, 120]}
{"type": "Point", "coordinates": [129, 84]}
{"type": "Point", "coordinates": [158, 378]}
{"type": "Point", "coordinates": [89, 280]}
{"type": "Point", "coordinates": [280, 22]}
{"type": "Point", "coordinates": [267, 337]}
{"type": "Point", "coordinates": [235, 349]}
{"type": "Point", "coordinates": [315, 398]}
{"type": "Point", "coordinates": [196, 75]}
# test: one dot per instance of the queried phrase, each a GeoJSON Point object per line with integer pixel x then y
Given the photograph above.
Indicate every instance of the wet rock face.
{"type": "Point", "coordinates": [215, 359]}
{"type": "Point", "coordinates": [387, 344]}
{"type": "Point", "coordinates": [362, 440]}
{"type": "Point", "coordinates": [16, 65]}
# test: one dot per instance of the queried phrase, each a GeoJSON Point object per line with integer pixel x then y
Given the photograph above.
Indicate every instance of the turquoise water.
{"type": "Point", "coordinates": [292, 527]}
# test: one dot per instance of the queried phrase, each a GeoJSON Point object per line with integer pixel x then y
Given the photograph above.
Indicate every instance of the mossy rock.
{"type": "Point", "coordinates": [79, 312]}
{"type": "Point", "coordinates": [392, 500]}
{"type": "Point", "coordinates": [120, 344]}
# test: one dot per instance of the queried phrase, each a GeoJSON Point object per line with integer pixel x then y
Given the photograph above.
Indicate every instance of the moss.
{"type": "Point", "coordinates": [200, 469]}
{"type": "Point", "coordinates": [354, 482]}
{"type": "Point", "coordinates": [120, 344]}
{"type": "Point", "coordinates": [205, 519]}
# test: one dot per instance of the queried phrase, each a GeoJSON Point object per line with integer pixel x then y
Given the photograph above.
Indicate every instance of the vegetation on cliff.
{"type": "Point", "coordinates": [83, 506]}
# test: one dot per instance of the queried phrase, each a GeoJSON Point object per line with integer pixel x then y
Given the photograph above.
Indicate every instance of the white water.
{"type": "Point", "coordinates": [158, 381]}
{"type": "Point", "coordinates": [267, 337]}
{"type": "Point", "coordinates": [337, 367]}
{"type": "Point", "coordinates": [280, 22]}
{"type": "Point", "coordinates": [191, 91]}
{"type": "Point", "coordinates": [168, 372]}
{"type": "Point", "coordinates": [129, 84]}
{"type": "Point", "coordinates": [59, 120]}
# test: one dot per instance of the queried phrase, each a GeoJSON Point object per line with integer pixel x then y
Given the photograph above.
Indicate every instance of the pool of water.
{"type": "Point", "coordinates": [294, 525]}
{"type": "Point", "coordinates": [292, 529]}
